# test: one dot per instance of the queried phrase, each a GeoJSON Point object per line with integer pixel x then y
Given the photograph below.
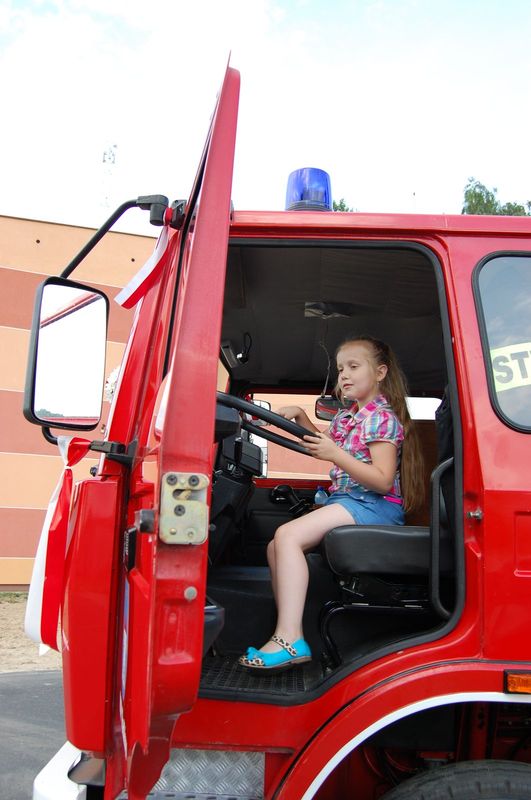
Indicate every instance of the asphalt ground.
{"type": "Point", "coordinates": [32, 728]}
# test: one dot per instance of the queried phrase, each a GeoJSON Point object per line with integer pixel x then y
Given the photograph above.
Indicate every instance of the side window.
{"type": "Point", "coordinates": [283, 463]}
{"type": "Point", "coordinates": [503, 294]}
{"type": "Point", "coordinates": [223, 377]}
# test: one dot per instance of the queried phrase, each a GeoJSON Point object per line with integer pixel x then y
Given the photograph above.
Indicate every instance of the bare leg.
{"type": "Point", "coordinates": [271, 560]}
{"type": "Point", "coordinates": [289, 570]}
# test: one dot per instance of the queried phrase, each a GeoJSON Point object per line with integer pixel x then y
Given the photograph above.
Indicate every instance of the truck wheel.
{"type": "Point", "coordinates": [468, 780]}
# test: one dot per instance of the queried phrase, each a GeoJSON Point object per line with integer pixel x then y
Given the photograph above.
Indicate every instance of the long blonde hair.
{"type": "Point", "coordinates": [394, 389]}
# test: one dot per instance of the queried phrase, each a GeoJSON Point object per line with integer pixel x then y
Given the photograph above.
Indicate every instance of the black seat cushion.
{"type": "Point", "coordinates": [383, 550]}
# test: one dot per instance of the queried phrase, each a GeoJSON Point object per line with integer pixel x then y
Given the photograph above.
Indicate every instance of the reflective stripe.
{"type": "Point", "coordinates": [405, 711]}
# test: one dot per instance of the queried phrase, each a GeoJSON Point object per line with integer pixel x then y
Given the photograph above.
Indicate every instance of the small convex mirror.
{"type": "Point", "coordinates": [66, 366]}
{"type": "Point", "coordinates": [327, 406]}
{"type": "Point", "coordinates": [258, 423]}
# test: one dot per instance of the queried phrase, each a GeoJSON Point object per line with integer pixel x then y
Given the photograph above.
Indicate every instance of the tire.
{"type": "Point", "coordinates": [468, 780]}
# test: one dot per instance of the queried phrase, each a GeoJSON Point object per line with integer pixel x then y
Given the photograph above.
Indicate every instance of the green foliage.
{"type": "Point", "coordinates": [480, 200]}
{"type": "Point", "coordinates": [341, 206]}
{"type": "Point", "coordinates": [516, 209]}
{"type": "Point", "coordinates": [13, 597]}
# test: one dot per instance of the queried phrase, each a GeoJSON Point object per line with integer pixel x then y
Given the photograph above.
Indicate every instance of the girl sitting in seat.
{"type": "Point", "coordinates": [375, 478]}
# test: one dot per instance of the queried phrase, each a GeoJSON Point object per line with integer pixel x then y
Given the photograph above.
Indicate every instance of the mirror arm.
{"type": "Point", "coordinates": [157, 205]}
{"type": "Point", "coordinates": [48, 435]}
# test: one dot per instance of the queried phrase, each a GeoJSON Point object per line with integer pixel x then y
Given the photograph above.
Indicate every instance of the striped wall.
{"type": "Point", "coordinates": [30, 466]}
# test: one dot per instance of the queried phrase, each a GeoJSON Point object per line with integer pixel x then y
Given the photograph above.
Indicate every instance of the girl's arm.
{"type": "Point", "coordinates": [378, 476]}
{"type": "Point", "coordinates": [299, 415]}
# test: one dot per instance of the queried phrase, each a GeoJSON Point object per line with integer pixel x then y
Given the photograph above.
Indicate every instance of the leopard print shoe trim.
{"type": "Point", "coordinates": [286, 645]}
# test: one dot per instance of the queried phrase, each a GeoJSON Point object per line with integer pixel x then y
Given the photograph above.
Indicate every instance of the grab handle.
{"type": "Point", "coordinates": [435, 527]}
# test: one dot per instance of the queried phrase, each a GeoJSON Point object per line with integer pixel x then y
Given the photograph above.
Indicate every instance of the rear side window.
{"type": "Point", "coordinates": [503, 292]}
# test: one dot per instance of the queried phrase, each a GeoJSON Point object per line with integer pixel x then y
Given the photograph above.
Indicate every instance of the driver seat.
{"type": "Point", "coordinates": [395, 568]}
{"type": "Point", "coordinates": [386, 568]}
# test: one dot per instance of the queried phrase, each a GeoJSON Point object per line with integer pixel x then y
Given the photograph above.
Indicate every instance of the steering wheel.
{"type": "Point", "coordinates": [231, 401]}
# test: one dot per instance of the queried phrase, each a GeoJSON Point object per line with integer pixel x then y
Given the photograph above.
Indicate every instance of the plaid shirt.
{"type": "Point", "coordinates": [353, 430]}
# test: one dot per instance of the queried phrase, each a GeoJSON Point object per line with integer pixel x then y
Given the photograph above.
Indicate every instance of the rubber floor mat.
{"type": "Point", "coordinates": [223, 677]}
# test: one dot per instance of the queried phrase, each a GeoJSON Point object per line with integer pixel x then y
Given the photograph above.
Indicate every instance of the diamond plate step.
{"type": "Point", "coordinates": [210, 775]}
{"type": "Point", "coordinates": [188, 796]}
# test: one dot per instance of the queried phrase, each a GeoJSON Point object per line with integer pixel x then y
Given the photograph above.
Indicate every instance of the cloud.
{"type": "Point", "coordinates": [400, 102]}
{"type": "Point", "coordinates": [84, 78]}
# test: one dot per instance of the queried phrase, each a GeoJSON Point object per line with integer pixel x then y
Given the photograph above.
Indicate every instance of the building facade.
{"type": "Point", "coordinates": [30, 467]}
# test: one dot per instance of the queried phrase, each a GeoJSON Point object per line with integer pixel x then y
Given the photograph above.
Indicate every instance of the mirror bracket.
{"type": "Point", "coordinates": [116, 451]}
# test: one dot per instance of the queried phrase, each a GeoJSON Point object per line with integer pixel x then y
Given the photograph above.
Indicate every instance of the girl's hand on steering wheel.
{"type": "Point", "coordinates": [289, 412]}
{"type": "Point", "coordinates": [298, 415]}
{"type": "Point", "coordinates": [321, 446]}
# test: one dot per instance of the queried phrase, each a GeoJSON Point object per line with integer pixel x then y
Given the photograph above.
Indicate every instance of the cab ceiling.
{"type": "Point", "coordinates": [297, 302]}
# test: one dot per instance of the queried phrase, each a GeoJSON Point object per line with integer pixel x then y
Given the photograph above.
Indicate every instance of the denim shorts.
{"type": "Point", "coordinates": [368, 508]}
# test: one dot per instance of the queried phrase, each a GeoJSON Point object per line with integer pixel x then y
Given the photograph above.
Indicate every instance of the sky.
{"type": "Point", "coordinates": [401, 101]}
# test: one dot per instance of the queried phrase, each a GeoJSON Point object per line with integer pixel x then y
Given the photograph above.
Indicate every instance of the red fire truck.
{"type": "Point", "coordinates": [420, 683]}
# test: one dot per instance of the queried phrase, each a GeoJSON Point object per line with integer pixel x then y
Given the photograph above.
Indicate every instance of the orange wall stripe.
{"type": "Point", "coordinates": [14, 344]}
{"type": "Point", "coordinates": [16, 571]}
{"type": "Point", "coordinates": [46, 248]}
{"type": "Point", "coordinates": [18, 296]}
{"type": "Point", "coordinates": [19, 436]}
{"type": "Point", "coordinates": [29, 480]}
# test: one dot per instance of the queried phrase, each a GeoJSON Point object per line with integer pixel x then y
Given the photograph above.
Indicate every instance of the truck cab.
{"type": "Point", "coordinates": [421, 675]}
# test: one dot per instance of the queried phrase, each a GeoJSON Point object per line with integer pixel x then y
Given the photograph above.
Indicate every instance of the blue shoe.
{"type": "Point", "coordinates": [291, 654]}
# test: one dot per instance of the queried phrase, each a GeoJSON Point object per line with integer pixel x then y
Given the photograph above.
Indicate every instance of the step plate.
{"type": "Point", "coordinates": [193, 796]}
{"type": "Point", "coordinates": [210, 775]}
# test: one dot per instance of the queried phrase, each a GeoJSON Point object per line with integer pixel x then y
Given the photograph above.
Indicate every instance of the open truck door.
{"type": "Point", "coordinates": [165, 598]}
{"type": "Point", "coordinates": [136, 538]}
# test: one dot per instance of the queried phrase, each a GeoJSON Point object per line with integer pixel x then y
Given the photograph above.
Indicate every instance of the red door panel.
{"type": "Point", "coordinates": [163, 627]}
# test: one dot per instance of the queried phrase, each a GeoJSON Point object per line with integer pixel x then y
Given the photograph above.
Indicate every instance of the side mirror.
{"type": "Point", "coordinates": [66, 363]}
{"type": "Point", "coordinates": [326, 407]}
{"type": "Point", "coordinates": [259, 440]}
{"type": "Point", "coordinates": [259, 423]}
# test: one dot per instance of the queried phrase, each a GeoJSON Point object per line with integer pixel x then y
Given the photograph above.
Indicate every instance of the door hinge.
{"type": "Point", "coordinates": [183, 508]}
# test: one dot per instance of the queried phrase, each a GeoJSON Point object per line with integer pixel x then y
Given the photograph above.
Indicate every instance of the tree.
{"type": "Point", "coordinates": [480, 200]}
{"type": "Point", "coordinates": [341, 206]}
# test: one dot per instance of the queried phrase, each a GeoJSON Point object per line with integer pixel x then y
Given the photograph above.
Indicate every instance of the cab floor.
{"type": "Point", "coordinates": [222, 676]}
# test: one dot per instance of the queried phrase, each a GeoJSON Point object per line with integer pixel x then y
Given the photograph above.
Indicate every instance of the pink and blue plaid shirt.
{"type": "Point", "coordinates": [353, 430]}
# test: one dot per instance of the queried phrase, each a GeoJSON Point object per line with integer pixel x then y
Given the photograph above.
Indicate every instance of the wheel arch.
{"type": "Point", "coordinates": [377, 709]}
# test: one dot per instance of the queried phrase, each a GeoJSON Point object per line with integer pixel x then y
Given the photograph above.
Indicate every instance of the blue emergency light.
{"type": "Point", "coordinates": [309, 189]}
